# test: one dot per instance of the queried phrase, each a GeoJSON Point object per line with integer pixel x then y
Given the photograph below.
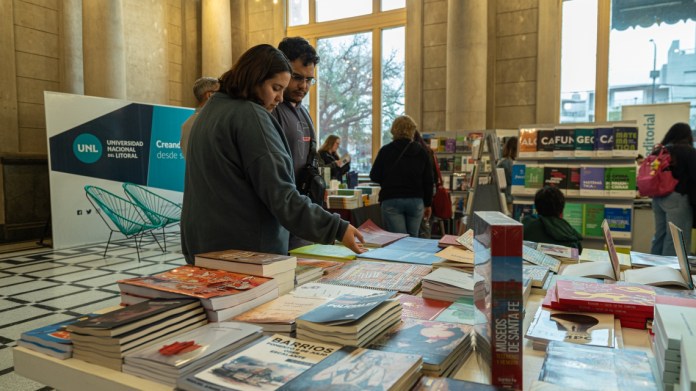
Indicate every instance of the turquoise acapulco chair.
{"type": "Point", "coordinates": [155, 207]}
{"type": "Point", "coordinates": [121, 215]}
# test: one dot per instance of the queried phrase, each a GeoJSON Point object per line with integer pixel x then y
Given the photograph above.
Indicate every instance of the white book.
{"type": "Point", "coordinates": [320, 289]}
{"type": "Point", "coordinates": [687, 378]}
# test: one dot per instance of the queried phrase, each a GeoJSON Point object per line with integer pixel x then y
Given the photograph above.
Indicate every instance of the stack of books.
{"type": "Point", "coordinates": [307, 273]}
{"type": "Point", "coordinates": [265, 365]}
{"type": "Point", "coordinates": [444, 346]}
{"type": "Point", "coordinates": [360, 369]}
{"type": "Point", "coordinates": [185, 353]}
{"type": "Point", "coordinates": [671, 324]}
{"type": "Point", "coordinates": [279, 267]}
{"type": "Point", "coordinates": [223, 294]}
{"type": "Point", "coordinates": [386, 276]}
{"type": "Point", "coordinates": [687, 377]}
{"type": "Point", "coordinates": [631, 304]}
{"type": "Point", "coordinates": [53, 340]}
{"type": "Point", "coordinates": [448, 285]}
{"type": "Point", "coordinates": [538, 258]}
{"type": "Point", "coordinates": [449, 240]}
{"type": "Point", "coordinates": [374, 236]}
{"type": "Point", "coordinates": [585, 328]}
{"type": "Point", "coordinates": [104, 340]}
{"type": "Point", "coordinates": [420, 308]}
{"type": "Point", "coordinates": [538, 275]}
{"type": "Point", "coordinates": [324, 252]}
{"type": "Point", "coordinates": [454, 257]}
{"type": "Point", "coordinates": [279, 315]}
{"type": "Point", "coordinates": [344, 201]}
{"type": "Point", "coordinates": [325, 265]}
{"type": "Point", "coordinates": [351, 320]}
{"type": "Point", "coordinates": [584, 367]}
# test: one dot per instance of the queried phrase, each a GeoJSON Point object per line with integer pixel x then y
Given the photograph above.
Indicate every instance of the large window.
{"type": "Point", "coordinates": [360, 88]}
{"type": "Point", "coordinates": [648, 56]}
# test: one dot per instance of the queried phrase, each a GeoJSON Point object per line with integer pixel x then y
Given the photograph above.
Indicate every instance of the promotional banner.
{"type": "Point", "coordinates": [106, 142]}
{"type": "Point", "coordinates": [654, 120]}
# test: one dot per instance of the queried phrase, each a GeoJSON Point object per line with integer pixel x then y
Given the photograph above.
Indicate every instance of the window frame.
{"type": "Point", "coordinates": [374, 23]}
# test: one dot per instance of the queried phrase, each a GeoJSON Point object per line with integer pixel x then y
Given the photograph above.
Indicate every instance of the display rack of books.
{"type": "Point", "coordinates": [593, 165]}
{"type": "Point", "coordinates": [484, 190]}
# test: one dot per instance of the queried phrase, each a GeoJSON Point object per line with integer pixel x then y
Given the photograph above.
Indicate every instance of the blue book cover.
{"type": "Point", "coordinates": [517, 185]}
{"type": "Point", "coordinates": [403, 256]}
{"type": "Point", "coordinates": [54, 335]}
{"type": "Point", "coordinates": [619, 219]}
{"type": "Point", "coordinates": [346, 308]}
{"type": "Point", "coordinates": [604, 141]}
{"type": "Point", "coordinates": [591, 180]}
{"type": "Point", "coordinates": [416, 244]}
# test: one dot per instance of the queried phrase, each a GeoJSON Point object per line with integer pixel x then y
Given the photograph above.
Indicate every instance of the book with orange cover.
{"type": "Point", "coordinates": [401, 277]}
{"type": "Point", "coordinates": [374, 236]}
{"type": "Point", "coordinates": [421, 308]}
{"type": "Point", "coordinates": [217, 289]}
{"type": "Point", "coordinates": [279, 315]}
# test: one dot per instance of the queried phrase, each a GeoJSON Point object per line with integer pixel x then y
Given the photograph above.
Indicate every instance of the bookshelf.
{"type": "Point", "coordinates": [463, 172]}
{"type": "Point", "coordinates": [594, 166]}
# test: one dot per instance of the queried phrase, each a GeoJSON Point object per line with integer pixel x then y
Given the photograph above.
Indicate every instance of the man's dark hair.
{"type": "Point", "coordinates": [549, 202]}
{"type": "Point", "coordinates": [298, 47]}
{"type": "Point", "coordinates": [254, 67]}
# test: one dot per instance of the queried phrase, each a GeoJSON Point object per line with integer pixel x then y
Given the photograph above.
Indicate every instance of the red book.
{"type": "Point", "coordinates": [374, 236]}
{"type": "Point", "coordinates": [217, 289]}
{"type": "Point", "coordinates": [449, 240]}
{"type": "Point", "coordinates": [421, 308]}
{"type": "Point", "coordinates": [638, 299]}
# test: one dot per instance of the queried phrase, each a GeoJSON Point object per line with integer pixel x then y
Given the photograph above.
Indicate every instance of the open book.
{"type": "Point", "coordinates": [655, 276]}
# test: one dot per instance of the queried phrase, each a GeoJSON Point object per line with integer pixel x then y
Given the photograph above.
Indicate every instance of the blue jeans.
{"type": "Point", "coordinates": [402, 215]}
{"type": "Point", "coordinates": [677, 209]}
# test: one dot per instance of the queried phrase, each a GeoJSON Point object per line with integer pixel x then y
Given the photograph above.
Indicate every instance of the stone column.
{"type": "Point", "coordinates": [216, 37]}
{"type": "Point", "coordinates": [72, 79]}
{"type": "Point", "coordinates": [467, 51]}
{"type": "Point", "coordinates": [104, 48]}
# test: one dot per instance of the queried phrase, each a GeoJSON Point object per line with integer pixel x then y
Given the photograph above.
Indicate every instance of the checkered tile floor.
{"type": "Point", "coordinates": [40, 287]}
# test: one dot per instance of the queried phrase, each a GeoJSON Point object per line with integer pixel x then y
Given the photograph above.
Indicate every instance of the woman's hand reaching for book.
{"type": "Point", "coordinates": [350, 240]}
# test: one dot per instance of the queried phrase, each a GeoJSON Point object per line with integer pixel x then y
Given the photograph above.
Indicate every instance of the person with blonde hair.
{"type": "Point", "coordinates": [329, 155]}
{"type": "Point", "coordinates": [403, 169]}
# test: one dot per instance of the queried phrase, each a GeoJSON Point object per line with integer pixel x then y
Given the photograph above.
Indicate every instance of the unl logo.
{"type": "Point", "coordinates": [87, 148]}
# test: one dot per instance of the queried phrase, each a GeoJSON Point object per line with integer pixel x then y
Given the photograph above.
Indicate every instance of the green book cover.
{"type": "Point", "coordinates": [621, 181]}
{"type": "Point", "coordinates": [533, 178]}
{"type": "Point", "coordinates": [607, 179]}
{"type": "Point", "coordinates": [592, 222]}
{"type": "Point", "coordinates": [572, 213]}
{"type": "Point", "coordinates": [324, 251]}
{"type": "Point", "coordinates": [584, 142]}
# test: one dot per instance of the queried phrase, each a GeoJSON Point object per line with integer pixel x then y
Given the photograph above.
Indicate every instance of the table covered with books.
{"type": "Point", "coordinates": [408, 311]}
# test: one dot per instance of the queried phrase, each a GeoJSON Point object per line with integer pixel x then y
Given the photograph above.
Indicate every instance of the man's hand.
{"type": "Point", "coordinates": [349, 240]}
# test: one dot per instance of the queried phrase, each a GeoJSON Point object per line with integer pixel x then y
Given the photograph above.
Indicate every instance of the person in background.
{"type": "Point", "coordinates": [203, 89]}
{"type": "Point", "coordinates": [547, 226]}
{"type": "Point", "coordinates": [239, 191]}
{"type": "Point", "coordinates": [292, 116]}
{"type": "Point", "coordinates": [676, 207]}
{"type": "Point", "coordinates": [329, 155]}
{"type": "Point", "coordinates": [425, 230]}
{"type": "Point", "coordinates": [403, 169]}
{"type": "Point", "coordinates": [509, 156]}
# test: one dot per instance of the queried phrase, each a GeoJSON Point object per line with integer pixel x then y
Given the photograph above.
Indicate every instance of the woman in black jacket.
{"type": "Point", "coordinates": [676, 207]}
{"type": "Point", "coordinates": [404, 171]}
{"type": "Point", "coordinates": [329, 155]}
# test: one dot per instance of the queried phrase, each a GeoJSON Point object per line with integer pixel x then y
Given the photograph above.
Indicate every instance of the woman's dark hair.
{"type": "Point", "coordinates": [549, 202]}
{"type": "Point", "coordinates": [510, 148]}
{"type": "Point", "coordinates": [255, 66]}
{"type": "Point", "coordinates": [679, 133]}
{"type": "Point", "coordinates": [328, 143]}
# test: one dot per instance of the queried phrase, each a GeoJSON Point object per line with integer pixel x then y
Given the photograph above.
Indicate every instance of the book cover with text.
{"type": "Point", "coordinates": [625, 141]}
{"type": "Point", "coordinates": [591, 180]}
{"type": "Point", "coordinates": [545, 142]}
{"type": "Point", "coordinates": [604, 142]}
{"type": "Point", "coordinates": [518, 174]}
{"type": "Point", "coordinates": [564, 141]}
{"type": "Point", "coordinates": [573, 188]}
{"type": "Point", "coordinates": [533, 178]}
{"type": "Point", "coordinates": [556, 176]}
{"type": "Point", "coordinates": [621, 181]}
{"type": "Point", "coordinates": [592, 221]}
{"type": "Point", "coordinates": [528, 142]}
{"type": "Point", "coordinates": [619, 218]}
{"type": "Point", "coordinates": [584, 142]}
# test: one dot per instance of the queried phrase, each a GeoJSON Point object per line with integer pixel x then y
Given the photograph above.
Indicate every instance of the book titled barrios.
{"type": "Point", "coordinates": [266, 365]}
{"type": "Point", "coordinates": [216, 289]}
